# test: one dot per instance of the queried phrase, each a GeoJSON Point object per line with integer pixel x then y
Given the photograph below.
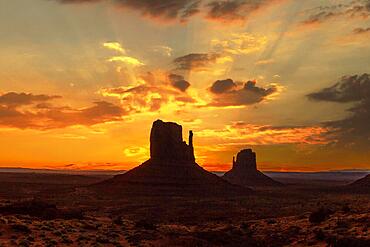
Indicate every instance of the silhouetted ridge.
{"type": "Point", "coordinates": [244, 171]}
{"type": "Point", "coordinates": [362, 183]}
{"type": "Point", "coordinates": [171, 169]}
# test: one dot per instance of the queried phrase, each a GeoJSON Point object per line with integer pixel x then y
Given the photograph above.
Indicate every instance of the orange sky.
{"type": "Point", "coordinates": [81, 82]}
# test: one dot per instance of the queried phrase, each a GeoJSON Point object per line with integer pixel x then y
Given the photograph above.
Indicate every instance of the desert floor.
{"type": "Point", "coordinates": [308, 213]}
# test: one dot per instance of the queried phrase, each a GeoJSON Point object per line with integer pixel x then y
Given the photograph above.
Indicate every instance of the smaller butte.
{"type": "Point", "coordinates": [244, 171]}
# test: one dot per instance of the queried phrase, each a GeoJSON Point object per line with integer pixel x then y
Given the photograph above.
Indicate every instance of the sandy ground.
{"type": "Point", "coordinates": [269, 217]}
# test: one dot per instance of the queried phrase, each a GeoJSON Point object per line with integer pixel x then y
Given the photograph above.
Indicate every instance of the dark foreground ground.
{"type": "Point", "coordinates": [46, 210]}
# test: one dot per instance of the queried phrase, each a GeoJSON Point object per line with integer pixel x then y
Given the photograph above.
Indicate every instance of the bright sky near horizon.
{"type": "Point", "coordinates": [81, 81]}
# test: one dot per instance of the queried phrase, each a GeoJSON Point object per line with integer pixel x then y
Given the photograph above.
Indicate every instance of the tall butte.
{"type": "Point", "coordinates": [171, 169]}
{"type": "Point", "coordinates": [244, 171]}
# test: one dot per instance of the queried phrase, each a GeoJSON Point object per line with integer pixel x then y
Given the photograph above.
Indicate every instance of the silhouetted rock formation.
{"type": "Point", "coordinates": [171, 169]}
{"type": "Point", "coordinates": [244, 171]}
{"type": "Point", "coordinates": [166, 143]}
{"type": "Point", "coordinates": [363, 183]}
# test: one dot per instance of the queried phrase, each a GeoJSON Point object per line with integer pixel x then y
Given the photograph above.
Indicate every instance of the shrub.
{"type": "Point", "coordinates": [24, 243]}
{"type": "Point", "coordinates": [30, 238]}
{"type": "Point", "coordinates": [147, 225]}
{"type": "Point", "coordinates": [102, 240]}
{"type": "Point", "coordinates": [342, 224]}
{"type": "Point", "coordinates": [271, 221]}
{"type": "Point", "coordinates": [21, 228]}
{"type": "Point", "coordinates": [319, 235]}
{"type": "Point", "coordinates": [346, 209]}
{"type": "Point", "coordinates": [66, 240]}
{"type": "Point", "coordinates": [293, 230]}
{"type": "Point", "coordinates": [348, 241]}
{"type": "Point", "coordinates": [320, 215]}
{"type": "Point", "coordinates": [118, 221]}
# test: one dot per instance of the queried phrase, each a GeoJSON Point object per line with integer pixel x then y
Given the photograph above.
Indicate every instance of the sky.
{"type": "Point", "coordinates": [81, 81]}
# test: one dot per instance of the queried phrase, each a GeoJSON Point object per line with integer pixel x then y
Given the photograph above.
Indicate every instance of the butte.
{"type": "Point", "coordinates": [244, 171]}
{"type": "Point", "coordinates": [170, 171]}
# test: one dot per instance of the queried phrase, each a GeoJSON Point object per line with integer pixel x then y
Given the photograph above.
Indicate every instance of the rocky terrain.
{"type": "Point", "coordinates": [279, 217]}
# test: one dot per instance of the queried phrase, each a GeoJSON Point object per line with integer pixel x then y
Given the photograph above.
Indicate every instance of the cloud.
{"type": "Point", "coordinates": [154, 91]}
{"type": "Point", "coordinates": [229, 11]}
{"type": "Point", "coordinates": [13, 99]}
{"type": "Point", "coordinates": [239, 43]}
{"type": "Point", "coordinates": [265, 62]}
{"type": "Point", "coordinates": [136, 151]}
{"type": "Point", "coordinates": [222, 86]}
{"type": "Point", "coordinates": [22, 110]}
{"type": "Point", "coordinates": [165, 50]}
{"type": "Point", "coordinates": [242, 133]}
{"type": "Point", "coordinates": [361, 30]}
{"type": "Point", "coordinates": [354, 9]}
{"type": "Point", "coordinates": [352, 131]}
{"type": "Point", "coordinates": [122, 58]}
{"type": "Point", "coordinates": [229, 93]}
{"type": "Point", "coordinates": [116, 46]}
{"type": "Point", "coordinates": [200, 61]}
{"type": "Point", "coordinates": [179, 82]}
{"type": "Point", "coordinates": [226, 11]}
{"type": "Point", "coordinates": [348, 89]}
{"type": "Point", "coordinates": [358, 36]}
{"type": "Point", "coordinates": [126, 60]}
{"type": "Point", "coordinates": [163, 9]}
{"type": "Point", "coordinates": [158, 9]}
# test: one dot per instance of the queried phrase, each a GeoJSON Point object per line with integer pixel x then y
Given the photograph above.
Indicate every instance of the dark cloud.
{"type": "Point", "coordinates": [161, 9]}
{"type": "Point", "coordinates": [226, 93]}
{"type": "Point", "coordinates": [219, 10]}
{"type": "Point", "coordinates": [179, 82]}
{"type": "Point", "coordinates": [18, 99]}
{"type": "Point", "coordinates": [227, 10]}
{"type": "Point", "coordinates": [320, 17]}
{"type": "Point", "coordinates": [196, 61]}
{"type": "Point", "coordinates": [361, 30]}
{"type": "Point", "coordinates": [234, 10]}
{"type": "Point", "coordinates": [352, 131]}
{"type": "Point", "coordinates": [79, 1]}
{"type": "Point", "coordinates": [21, 110]}
{"type": "Point", "coordinates": [354, 9]}
{"type": "Point", "coordinates": [348, 89]}
{"type": "Point", "coordinates": [222, 86]}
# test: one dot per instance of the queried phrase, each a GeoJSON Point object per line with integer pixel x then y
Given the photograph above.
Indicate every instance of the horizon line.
{"type": "Point", "coordinates": [61, 170]}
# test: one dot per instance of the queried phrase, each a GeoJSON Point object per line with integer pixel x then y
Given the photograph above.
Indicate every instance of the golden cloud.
{"type": "Point", "coordinates": [122, 58]}
{"type": "Point", "coordinates": [127, 60]}
{"type": "Point", "coordinates": [240, 133]}
{"type": "Point", "coordinates": [29, 111]}
{"type": "Point", "coordinates": [136, 151]}
{"type": "Point", "coordinates": [116, 46]}
{"type": "Point", "coordinates": [152, 92]}
{"type": "Point", "coordinates": [239, 43]}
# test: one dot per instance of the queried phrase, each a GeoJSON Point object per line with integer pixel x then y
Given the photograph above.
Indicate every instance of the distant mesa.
{"type": "Point", "coordinates": [171, 169]}
{"type": "Point", "coordinates": [244, 171]}
{"type": "Point", "coordinates": [363, 183]}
